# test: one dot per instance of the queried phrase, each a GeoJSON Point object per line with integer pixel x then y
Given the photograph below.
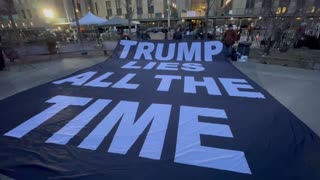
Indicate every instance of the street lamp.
{"type": "Point", "coordinates": [48, 13]}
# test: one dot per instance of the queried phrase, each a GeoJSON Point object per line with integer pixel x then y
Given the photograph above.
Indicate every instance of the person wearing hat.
{"type": "Point", "coordinates": [229, 39]}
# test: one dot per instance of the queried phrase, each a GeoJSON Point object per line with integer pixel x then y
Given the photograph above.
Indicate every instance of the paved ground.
{"type": "Point", "coordinates": [19, 78]}
{"type": "Point", "coordinates": [297, 89]}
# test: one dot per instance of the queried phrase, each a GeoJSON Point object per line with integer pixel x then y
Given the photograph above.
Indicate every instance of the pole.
{"type": "Point", "coordinates": [78, 27]}
{"type": "Point", "coordinates": [169, 13]}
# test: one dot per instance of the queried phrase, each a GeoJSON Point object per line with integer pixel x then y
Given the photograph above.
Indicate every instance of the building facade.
{"type": "Point", "coordinates": [272, 7]}
{"type": "Point", "coordinates": [30, 13]}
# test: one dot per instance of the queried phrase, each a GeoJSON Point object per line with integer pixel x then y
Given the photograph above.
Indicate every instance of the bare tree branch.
{"type": "Point", "coordinates": [130, 11]}
{"type": "Point", "coordinates": [8, 9]}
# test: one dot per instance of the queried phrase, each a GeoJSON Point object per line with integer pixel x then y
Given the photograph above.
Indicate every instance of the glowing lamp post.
{"type": "Point", "coordinates": [48, 13]}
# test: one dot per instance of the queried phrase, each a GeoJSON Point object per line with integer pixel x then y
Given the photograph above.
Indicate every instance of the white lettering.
{"type": "Point", "coordinates": [194, 67]}
{"type": "Point", "coordinates": [129, 130]}
{"type": "Point", "coordinates": [144, 49]}
{"type": "Point", "coordinates": [98, 81]}
{"type": "Point", "coordinates": [184, 53]}
{"type": "Point", "coordinates": [130, 65]}
{"type": "Point", "coordinates": [168, 66]}
{"type": "Point", "coordinates": [166, 81]}
{"type": "Point", "coordinates": [77, 80]}
{"type": "Point", "coordinates": [61, 102]}
{"type": "Point", "coordinates": [232, 86]}
{"type": "Point", "coordinates": [170, 54]}
{"type": "Point", "coordinates": [190, 85]}
{"type": "Point", "coordinates": [75, 125]}
{"type": "Point", "coordinates": [189, 150]}
{"type": "Point", "coordinates": [123, 83]}
{"type": "Point", "coordinates": [127, 46]}
{"type": "Point", "coordinates": [209, 52]}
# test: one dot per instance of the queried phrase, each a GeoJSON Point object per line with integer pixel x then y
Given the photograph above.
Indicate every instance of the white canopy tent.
{"type": "Point", "coordinates": [117, 21]}
{"type": "Point", "coordinates": [90, 19]}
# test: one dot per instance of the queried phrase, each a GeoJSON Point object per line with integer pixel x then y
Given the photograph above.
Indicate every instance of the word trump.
{"type": "Point", "coordinates": [176, 51]}
{"type": "Point", "coordinates": [189, 149]}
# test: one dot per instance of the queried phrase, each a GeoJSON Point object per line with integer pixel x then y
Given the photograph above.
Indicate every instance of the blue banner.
{"type": "Point", "coordinates": [155, 110]}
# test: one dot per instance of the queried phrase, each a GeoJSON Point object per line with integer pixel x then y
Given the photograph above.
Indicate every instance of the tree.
{"type": "Point", "coordinates": [209, 5]}
{"type": "Point", "coordinates": [7, 8]}
{"type": "Point", "coordinates": [282, 24]}
{"type": "Point", "coordinates": [128, 6]}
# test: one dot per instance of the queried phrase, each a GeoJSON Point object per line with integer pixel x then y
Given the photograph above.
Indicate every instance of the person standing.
{"type": "Point", "coordinates": [145, 35]}
{"type": "Point", "coordinates": [2, 62]}
{"type": "Point", "coordinates": [270, 41]}
{"type": "Point", "coordinates": [177, 35]}
{"type": "Point", "coordinates": [125, 36]}
{"type": "Point", "coordinates": [165, 31]}
{"type": "Point", "coordinates": [229, 39]}
{"type": "Point", "coordinates": [138, 33]}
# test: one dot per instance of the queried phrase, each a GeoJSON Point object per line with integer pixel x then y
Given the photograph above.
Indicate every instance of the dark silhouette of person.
{"type": "Point", "coordinates": [125, 36]}
{"type": "Point", "coordinates": [177, 35]}
{"type": "Point", "coordinates": [145, 36]}
{"type": "Point", "coordinates": [165, 31]}
{"type": "Point", "coordinates": [2, 63]}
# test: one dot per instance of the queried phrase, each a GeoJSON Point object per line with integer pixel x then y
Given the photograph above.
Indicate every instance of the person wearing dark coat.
{"type": "Point", "coordinates": [145, 36]}
{"type": "Point", "coordinates": [177, 35]}
{"type": "Point", "coordinates": [2, 63]}
{"type": "Point", "coordinates": [165, 31]}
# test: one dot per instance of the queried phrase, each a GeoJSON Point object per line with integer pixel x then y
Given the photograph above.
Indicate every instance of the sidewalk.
{"type": "Point", "coordinates": [18, 78]}
{"type": "Point", "coordinates": [297, 89]}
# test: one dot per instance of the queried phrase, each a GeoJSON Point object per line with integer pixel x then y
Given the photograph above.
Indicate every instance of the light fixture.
{"type": "Point", "coordinates": [48, 13]}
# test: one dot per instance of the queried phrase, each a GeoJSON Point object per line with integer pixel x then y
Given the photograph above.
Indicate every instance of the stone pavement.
{"type": "Point", "coordinates": [297, 89]}
{"type": "Point", "coordinates": [18, 79]}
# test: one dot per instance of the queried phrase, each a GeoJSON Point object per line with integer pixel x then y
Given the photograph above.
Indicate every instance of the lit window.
{"type": "Point", "coordinates": [278, 10]}
{"type": "Point", "coordinates": [284, 10]}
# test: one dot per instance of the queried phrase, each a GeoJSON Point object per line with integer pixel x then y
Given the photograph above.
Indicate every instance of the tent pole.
{"type": "Point", "coordinates": [78, 27]}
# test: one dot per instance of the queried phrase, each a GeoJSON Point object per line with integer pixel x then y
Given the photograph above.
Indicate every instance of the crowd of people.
{"type": "Point", "coordinates": [280, 37]}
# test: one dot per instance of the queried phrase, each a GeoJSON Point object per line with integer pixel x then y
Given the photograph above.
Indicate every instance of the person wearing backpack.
{"type": "Point", "coordinates": [229, 39]}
